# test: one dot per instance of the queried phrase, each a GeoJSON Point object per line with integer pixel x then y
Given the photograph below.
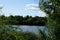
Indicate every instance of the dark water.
{"type": "Point", "coordinates": [33, 29]}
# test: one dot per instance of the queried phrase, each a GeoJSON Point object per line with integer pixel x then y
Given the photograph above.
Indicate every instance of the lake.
{"type": "Point", "coordinates": [29, 28]}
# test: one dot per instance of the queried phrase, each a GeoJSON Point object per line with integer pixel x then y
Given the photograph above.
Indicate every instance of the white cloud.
{"type": "Point", "coordinates": [32, 6]}
{"type": "Point", "coordinates": [42, 14]}
{"type": "Point", "coordinates": [1, 6]}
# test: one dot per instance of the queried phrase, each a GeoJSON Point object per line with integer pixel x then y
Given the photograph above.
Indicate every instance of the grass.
{"type": "Point", "coordinates": [8, 33]}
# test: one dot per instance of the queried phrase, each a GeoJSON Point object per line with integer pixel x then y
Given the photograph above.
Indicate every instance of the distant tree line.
{"type": "Point", "coordinates": [20, 20]}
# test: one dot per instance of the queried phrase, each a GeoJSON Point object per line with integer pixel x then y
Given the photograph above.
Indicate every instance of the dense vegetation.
{"type": "Point", "coordinates": [52, 9]}
{"type": "Point", "coordinates": [53, 24]}
{"type": "Point", "coordinates": [19, 20]}
{"type": "Point", "coordinates": [11, 33]}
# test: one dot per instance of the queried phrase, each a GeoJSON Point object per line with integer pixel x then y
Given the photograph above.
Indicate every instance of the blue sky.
{"type": "Point", "coordinates": [21, 7]}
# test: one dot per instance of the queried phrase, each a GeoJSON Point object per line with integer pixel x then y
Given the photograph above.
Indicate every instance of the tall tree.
{"type": "Point", "coordinates": [52, 8]}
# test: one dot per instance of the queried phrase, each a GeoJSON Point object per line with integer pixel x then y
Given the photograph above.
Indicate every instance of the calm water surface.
{"type": "Point", "coordinates": [33, 29]}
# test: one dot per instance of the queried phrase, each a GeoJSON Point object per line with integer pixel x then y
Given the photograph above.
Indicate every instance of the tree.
{"type": "Point", "coordinates": [52, 8]}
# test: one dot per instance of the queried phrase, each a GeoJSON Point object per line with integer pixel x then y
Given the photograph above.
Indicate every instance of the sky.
{"type": "Point", "coordinates": [21, 7]}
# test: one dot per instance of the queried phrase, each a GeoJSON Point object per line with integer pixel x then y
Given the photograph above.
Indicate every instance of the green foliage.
{"type": "Point", "coordinates": [10, 33]}
{"type": "Point", "coordinates": [53, 20]}
{"type": "Point", "coordinates": [19, 20]}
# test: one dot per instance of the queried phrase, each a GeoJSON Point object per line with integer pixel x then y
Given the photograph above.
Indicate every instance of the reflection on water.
{"type": "Point", "coordinates": [33, 29]}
